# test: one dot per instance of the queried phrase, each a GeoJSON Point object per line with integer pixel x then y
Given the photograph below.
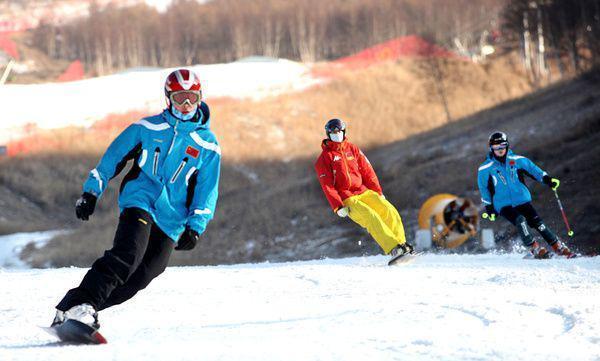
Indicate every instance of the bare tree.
{"type": "Point", "coordinates": [434, 74]}
{"type": "Point", "coordinates": [564, 28]}
{"type": "Point", "coordinates": [222, 30]}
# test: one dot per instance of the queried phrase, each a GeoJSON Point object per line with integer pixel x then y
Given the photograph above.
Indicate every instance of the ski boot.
{"type": "Point", "coordinates": [84, 313]}
{"type": "Point", "coordinates": [399, 251]}
{"type": "Point", "coordinates": [562, 250]}
{"type": "Point", "coordinates": [538, 251]}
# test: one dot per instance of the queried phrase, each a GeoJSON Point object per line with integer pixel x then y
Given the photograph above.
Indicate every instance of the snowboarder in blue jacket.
{"type": "Point", "coordinates": [501, 181]}
{"type": "Point", "coordinates": [166, 200]}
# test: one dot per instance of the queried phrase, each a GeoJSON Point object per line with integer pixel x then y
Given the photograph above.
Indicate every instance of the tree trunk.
{"type": "Point", "coordinates": [541, 46]}
{"type": "Point", "coordinates": [527, 42]}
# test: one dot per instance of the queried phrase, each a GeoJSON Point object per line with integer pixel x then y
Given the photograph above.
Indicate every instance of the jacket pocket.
{"type": "Point", "coordinates": [179, 169]}
{"type": "Point", "coordinates": [155, 163]}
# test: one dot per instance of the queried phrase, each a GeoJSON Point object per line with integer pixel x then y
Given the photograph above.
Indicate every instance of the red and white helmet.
{"type": "Point", "coordinates": [182, 80]}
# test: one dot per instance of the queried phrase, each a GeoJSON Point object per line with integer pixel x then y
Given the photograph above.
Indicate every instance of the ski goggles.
{"type": "Point", "coordinates": [499, 146]}
{"type": "Point", "coordinates": [181, 97]}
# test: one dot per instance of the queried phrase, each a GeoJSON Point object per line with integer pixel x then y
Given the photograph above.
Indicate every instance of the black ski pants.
{"type": "Point", "coordinates": [140, 253]}
{"type": "Point", "coordinates": [523, 215]}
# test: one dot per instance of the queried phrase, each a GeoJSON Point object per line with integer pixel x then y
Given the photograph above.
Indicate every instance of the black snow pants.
{"type": "Point", "coordinates": [523, 215]}
{"type": "Point", "coordinates": [140, 253]}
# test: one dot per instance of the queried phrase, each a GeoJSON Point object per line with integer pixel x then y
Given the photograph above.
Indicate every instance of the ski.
{"type": "Point", "coordinates": [530, 256]}
{"type": "Point", "coordinates": [76, 332]}
{"type": "Point", "coordinates": [552, 256]}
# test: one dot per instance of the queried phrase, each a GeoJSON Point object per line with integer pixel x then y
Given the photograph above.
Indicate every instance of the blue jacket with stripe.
{"type": "Point", "coordinates": [175, 174]}
{"type": "Point", "coordinates": [503, 184]}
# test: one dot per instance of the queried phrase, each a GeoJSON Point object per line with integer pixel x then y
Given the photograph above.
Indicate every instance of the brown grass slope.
{"type": "Point", "coordinates": [271, 208]}
{"type": "Point", "coordinates": [381, 104]}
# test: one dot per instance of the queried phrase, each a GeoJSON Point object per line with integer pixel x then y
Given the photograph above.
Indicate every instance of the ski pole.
{"type": "Point", "coordinates": [564, 215]}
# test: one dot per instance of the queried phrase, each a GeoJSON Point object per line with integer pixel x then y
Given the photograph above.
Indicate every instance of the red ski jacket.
{"type": "Point", "coordinates": [344, 171]}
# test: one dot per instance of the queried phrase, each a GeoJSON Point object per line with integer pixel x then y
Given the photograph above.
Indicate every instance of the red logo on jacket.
{"type": "Point", "coordinates": [192, 151]}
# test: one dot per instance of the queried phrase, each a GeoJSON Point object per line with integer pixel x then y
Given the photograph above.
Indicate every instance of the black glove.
{"type": "Point", "coordinates": [490, 213]}
{"type": "Point", "coordinates": [553, 183]}
{"type": "Point", "coordinates": [188, 240]}
{"type": "Point", "coordinates": [85, 205]}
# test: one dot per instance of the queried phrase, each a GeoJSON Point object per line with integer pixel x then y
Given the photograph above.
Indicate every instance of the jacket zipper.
{"type": "Point", "coordinates": [512, 179]}
{"type": "Point", "coordinates": [347, 169]}
{"type": "Point", "coordinates": [155, 165]}
{"type": "Point", "coordinates": [179, 169]}
{"type": "Point", "coordinates": [174, 136]}
{"type": "Point", "coordinates": [505, 180]}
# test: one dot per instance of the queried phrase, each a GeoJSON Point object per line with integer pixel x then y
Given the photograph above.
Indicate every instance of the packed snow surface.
{"type": "Point", "coordinates": [80, 103]}
{"type": "Point", "coordinates": [441, 307]}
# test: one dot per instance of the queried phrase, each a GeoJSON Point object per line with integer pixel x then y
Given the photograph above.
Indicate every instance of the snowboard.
{"type": "Point", "coordinates": [404, 259]}
{"type": "Point", "coordinates": [76, 332]}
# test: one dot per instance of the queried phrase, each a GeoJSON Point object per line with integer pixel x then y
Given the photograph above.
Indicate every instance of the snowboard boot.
{"type": "Point", "coordinates": [562, 250]}
{"type": "Point", "coordinates": [538, 251]}
{"type": "Point", "coordinates": [59, 318]}
{"type": "Point", "coordinates": [400, 250]}
{"type": "Point", "coordinates": [84, 313]}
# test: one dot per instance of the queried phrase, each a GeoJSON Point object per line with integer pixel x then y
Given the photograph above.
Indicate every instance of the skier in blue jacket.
{"type": "Point", "coordinates": [166, 200]}
{"type": "Point", "coordinates": [501, 181]}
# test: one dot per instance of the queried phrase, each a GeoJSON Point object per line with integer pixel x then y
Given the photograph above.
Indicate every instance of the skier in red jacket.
{"type": "Point", "coordinates": [352, 189]}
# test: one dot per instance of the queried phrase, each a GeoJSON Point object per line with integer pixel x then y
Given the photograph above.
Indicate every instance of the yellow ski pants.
{"type": "Point", "coordinates": [379, 217]}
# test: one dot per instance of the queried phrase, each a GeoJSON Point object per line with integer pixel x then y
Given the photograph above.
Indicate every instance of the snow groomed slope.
{"type": "Point", "coordinates": [441, 307]}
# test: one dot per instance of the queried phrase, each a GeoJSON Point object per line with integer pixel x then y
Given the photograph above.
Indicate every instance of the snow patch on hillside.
{"type": "Point", "coordinates": [11, 246]}
{"type": "Point", "coordinates": [80, 103]}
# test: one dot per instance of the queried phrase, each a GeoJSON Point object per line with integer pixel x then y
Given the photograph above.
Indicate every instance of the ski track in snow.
{"type": "Point", "coordinates": [441, 307]}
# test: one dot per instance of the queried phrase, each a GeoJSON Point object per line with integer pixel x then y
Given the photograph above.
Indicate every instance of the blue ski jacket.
{"type": "Point", "coordinates": [503, 184]}
{"type": "Point", "coordinates": [175, 174]}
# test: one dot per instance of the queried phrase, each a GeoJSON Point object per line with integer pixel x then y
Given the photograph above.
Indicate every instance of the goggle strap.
{"type": "Point", "coordinates": [172, 97]}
